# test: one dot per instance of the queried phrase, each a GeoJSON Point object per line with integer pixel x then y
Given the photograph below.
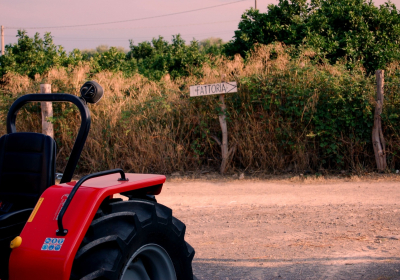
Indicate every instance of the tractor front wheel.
{"type": "Point", "coordinates": [136, 239]}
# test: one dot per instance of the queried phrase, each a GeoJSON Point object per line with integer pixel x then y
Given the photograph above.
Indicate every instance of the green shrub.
{"type": "Point", "coordinates": [351, 30]}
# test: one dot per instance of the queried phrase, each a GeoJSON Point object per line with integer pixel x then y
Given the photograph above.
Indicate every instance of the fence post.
{"type": "Point", "coordinates": [227, 153]}
{"type": "Point", "coordinates": [47, 112]}
{"type": "Point", "coordinates": [377, 136]}
{"type": "Point", "coordinates": [224, 129]}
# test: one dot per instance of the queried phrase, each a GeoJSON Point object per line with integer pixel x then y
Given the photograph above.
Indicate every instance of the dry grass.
{"type": "Point", "coordinates": [153, 126]}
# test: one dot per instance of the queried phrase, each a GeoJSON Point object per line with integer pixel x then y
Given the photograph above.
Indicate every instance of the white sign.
{"type": "Point", "coordinates": [220, 88]}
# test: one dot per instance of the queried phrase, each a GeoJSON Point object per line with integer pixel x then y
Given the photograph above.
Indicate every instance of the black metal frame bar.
{"type": "Point", "coordinates": [57, 97]}
{"type": "Point", "coordinates": [76, 150]}
{"type": "Point", "coordinates": [61, 230]}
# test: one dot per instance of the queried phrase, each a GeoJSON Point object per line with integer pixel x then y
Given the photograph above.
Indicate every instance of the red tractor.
{"type": "Point", "coordinates": [78, 230]}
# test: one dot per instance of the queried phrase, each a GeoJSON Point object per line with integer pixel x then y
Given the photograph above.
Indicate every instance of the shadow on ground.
{"type": "Point", "coordinates": [297, 269]}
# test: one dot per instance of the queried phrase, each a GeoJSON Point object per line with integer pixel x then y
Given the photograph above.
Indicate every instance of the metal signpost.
{"type": "Point", "coordinates": [221, 89]}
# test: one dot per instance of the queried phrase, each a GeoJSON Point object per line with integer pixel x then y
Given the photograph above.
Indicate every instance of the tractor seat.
{"type": "Point", "coordinates": [27, 169]}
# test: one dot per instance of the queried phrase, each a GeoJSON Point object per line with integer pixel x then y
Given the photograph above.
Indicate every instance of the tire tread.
{"type": "Point", "coordinates": [120, 228]}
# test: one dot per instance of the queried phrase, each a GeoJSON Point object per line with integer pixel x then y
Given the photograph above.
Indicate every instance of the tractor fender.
{"type": "Point", "coordinates": [44, 255]}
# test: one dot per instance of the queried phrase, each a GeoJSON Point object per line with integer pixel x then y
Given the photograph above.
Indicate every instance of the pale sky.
{"type": "Point", "coordinates": [216, 22]}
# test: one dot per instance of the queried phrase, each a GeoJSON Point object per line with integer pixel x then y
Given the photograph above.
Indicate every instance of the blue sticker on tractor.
{"type": "Point", "coordinates": [52, 244]}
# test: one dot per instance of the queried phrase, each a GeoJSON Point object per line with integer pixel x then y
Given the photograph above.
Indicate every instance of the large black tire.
{"type": "Point", "coordinates": [120, 229]}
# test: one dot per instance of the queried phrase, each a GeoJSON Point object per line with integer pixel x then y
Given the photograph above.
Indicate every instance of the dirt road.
{"type": "Point", "coordinates": [246, 229]}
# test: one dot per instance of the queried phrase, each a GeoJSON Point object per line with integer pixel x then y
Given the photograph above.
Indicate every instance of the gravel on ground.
{"type": "Point", "coordinates": [289, 229]}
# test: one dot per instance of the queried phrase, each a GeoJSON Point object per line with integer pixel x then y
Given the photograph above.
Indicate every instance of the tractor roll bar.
{"type": "Point", "coordinates": [61, 231]}
{"type": "Point", "coordinates": [57, 97]}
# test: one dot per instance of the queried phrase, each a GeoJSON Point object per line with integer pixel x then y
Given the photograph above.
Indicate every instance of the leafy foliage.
{"type": "Point", "coordinates": [100, 49]}
{"type": "Point", "coordinates": [159, 57]}
{"type": "Point", "coordinates": [155, 59]}
{"type": "Point", "coordinates": [289, 114]}
{"type": "Point", "coordinates": [317, 113]}
{"type": "Point", "coordinates": [289, 110]}
{"type": "Point", "coordinates": [354, 30]}
{"type": "Point", "coordinates": [212, 46]}
{"type": "Point", "coordinates": [31, 56]}
{"type": "Point", "coordinates": [113, 60]}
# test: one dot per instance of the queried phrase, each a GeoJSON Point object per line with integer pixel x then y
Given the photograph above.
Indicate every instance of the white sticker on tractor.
{"type": "Point", "coordinates": [52, 244]}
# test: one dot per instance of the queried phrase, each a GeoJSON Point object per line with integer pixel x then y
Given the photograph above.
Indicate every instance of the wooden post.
{"type": "Point", "coordinates": [224, 129]}
{"type": "Point", "coordinates": [2, 40]}
{"type": "Point", "coordinates": [221, 89]}
{"type": "Point", "coordinates": [47, 111]}
{"type": "Point", "coordinates": [377, 135]}
{"type": "Point", "coordinates": [255, 5]}
{"type": "Point", "coordinates": [225, 151]}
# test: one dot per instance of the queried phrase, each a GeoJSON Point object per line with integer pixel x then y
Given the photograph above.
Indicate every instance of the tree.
{"type": "Point", "coordinates": [159, 57]}
{"type": "Point", "coordinates": [88, 53]}
{"type": "Point", "coordinates": [212, 45]}
{"type": "Point", "coordinates": [112, 59]}
{"type": "Point", "coordinates": [30, 56]}
{"type": "Point", "coordinates": [355, 30]}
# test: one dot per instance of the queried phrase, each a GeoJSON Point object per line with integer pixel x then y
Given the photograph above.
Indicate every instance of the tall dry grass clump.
{"type": "Point", "coordinates": [288, 115]}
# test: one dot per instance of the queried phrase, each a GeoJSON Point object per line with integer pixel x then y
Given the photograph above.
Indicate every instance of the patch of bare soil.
{"type": "Point", "coordinates": [290, 228]}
